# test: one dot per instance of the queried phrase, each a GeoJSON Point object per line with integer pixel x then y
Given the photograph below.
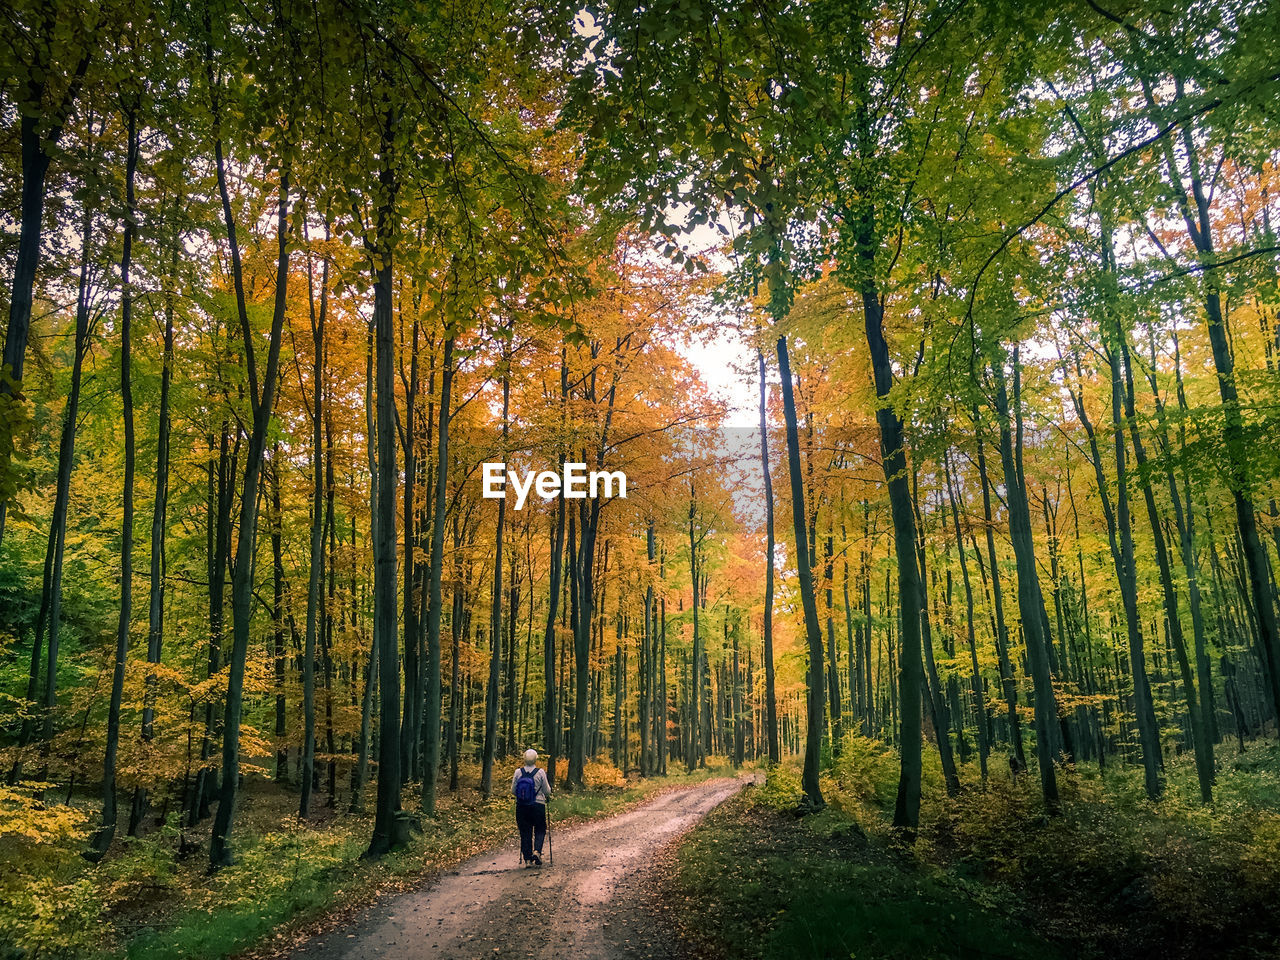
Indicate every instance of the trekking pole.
{"type": "Point", "coordinates": [550, 859]}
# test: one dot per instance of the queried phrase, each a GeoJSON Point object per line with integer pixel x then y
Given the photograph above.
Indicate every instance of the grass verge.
{"type": "Point", "coordinates": [1113, 876]}
{"type": "Point", "coordinates": [288, 883]}
{"type": "Point", "coordinates": [819, 888]}
{"type": "Point", "coordinates": [290, 880]}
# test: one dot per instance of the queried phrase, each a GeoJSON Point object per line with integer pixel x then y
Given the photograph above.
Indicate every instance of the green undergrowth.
{"type": "Point", "coordinates": [819, 887]}
{"type": "Point", "coordinates": [991, 874]}
{"type": "Point", "coordinates": [143, 903]}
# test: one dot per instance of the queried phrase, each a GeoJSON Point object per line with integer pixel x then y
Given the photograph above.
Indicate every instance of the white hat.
{"type": "Point", "coordinates": [530, 755]}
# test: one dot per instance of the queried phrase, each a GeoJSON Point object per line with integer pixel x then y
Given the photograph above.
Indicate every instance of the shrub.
{"type": "Point", "coordinates": [599, 775]}
{"type": "Point", "coordinates": [865, 773]}
{"type": "Point", "coordinates": [781, 790]}
{"type": "Point", "coordinates": [44, 908]}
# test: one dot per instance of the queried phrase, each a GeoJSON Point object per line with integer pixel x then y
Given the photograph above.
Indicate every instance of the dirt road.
{"type": "Point", "coordinates": [588, 905]}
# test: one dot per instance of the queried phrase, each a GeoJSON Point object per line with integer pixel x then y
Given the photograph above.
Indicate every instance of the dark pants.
{"type": "Point", "coordinates": [531, 818]}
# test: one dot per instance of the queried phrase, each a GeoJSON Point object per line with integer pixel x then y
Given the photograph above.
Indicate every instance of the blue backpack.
{"type": "Point", "coordinates": [526, 787]}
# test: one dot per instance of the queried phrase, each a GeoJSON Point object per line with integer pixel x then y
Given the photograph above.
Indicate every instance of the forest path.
{"type": "Point", "coordinates": [588, 905]}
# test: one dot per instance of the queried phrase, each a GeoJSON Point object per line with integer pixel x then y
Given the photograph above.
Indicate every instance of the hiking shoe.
{"type": "Point", "coordinates": [537, 860]}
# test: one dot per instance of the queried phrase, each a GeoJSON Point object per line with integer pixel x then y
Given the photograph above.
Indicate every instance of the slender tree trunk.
{"type": "Point", "coordinates": [495, 621]}
{"type": "Point", "coordinates": [387, 809]}
{"type": "Point", "coordinates": [51, 595]}
{"type": "Point", "coordinates": [647, 650]}
{"type": "Point", "coordinates": [550, 709]}
{"type": "Point", "coordinates": [583, 589]}
{"type": "Point", "coordinates": [38, 137]}
{"type": "Point", "coordinates": [1008, 682]}
{"type": "Point", "coordinates": [106, 832]}
{"type": "Point", "coordinates": [664, 751]}
{"type": "Point", "coordinates": [979, 700]}
{"type": "Point", "coordinates": [936, 699]}
{"type": "Point", "coordinates": [435, 600]}
{"type": "Point", "coordinates": [316, 555]}
{"type": "Point", "coordinates": [159, 511]}
{"type": "Point", "coordinates": [804, 577]}
{"type": "Point", "coordinates": [330, 608]}
{"type": "Point", "coordinates": [853, 653]}
{"type": "Point", "coordinates": [1195, 208]}
{"type": "Point", "coordinates": [1199, 735]}
{"type": "Point", "coordinates": [219, 551]}
{"type": "Point", "coordinates": [1186, 532]}
{"type": "Point", "coordinates": [833, 671]}
{"type": "Point", "coordinates": [360, 772]}
{"type": "Point", "coordinates": [513, 610]}
{"type": "Point", "coordinates": [581, 652]}
{"type": "Point", "coordinates": [277, 613]}
{"type": "Point", "coordinates": [770, 683]}
{"type": "Point", "coordinates": [616, 745]}
{"type": "Point", "coordinates": [455, 691]}
{"type": "Point", "coordinates": [220, 853]}
{"type": "Point", "coordinates": [693, 756]}
{"type": "Point", "coordinates": [410, 726]}
{"type": "Point", "coordinates": [735, 704]}
{"type": "Point", "coordinates": [1029, 600]}
{"type": "Point", "coordinates": [906, 816]}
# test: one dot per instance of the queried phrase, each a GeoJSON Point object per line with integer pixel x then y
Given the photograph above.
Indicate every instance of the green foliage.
{"type": "Point", "coordinates": [816, 888]}
{"type": "Point", "coordinates": [782, 789]}
{"type": "Point", "coordinates": [47, 905]}
{"type": "Point", "coordinates": [142, 902]}
{"type": "Point", "coordinates": [866, 772]}
{"type": "Point", "coordinates": [1114, 876]}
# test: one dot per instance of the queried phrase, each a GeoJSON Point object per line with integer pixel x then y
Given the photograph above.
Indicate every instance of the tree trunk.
{"type": "Point", "coordinates": [979, 701]}
{"type": "Point", "coordinates": [410, 726]}
{"type": "Point", "coordinates": [1008, 682]}
{"type": "Point", "coordinates": [38, 137]}
{"type": "Point", "coordinates": [1186, 532]}
{"type": "Point", "coordinates": [495, 620]}
{"type": "Point", "coordinates": [106, 832]}
{"type": "Point", "coordinates": [647, 650]}
{"type": "Point", "coordinates": [664, 744]}
{"type": "Point", "coordinates": [582, 595]}
{"type": "Point", "coordinates": [316, 555]}
{"type": "Point", "coordinates": [51, 593]}
{"type": "Point", "coordinates": [159, 511]}
{"type": "Point", "coordinates": [220, 853]}
{"type": "Point", "coordinates": [770, 684]}
{"type": "Point", "coordinates": [330, 607]}
{"type": "Point", "coordinates": [936, 701]}
{"type": "Point", "coordinates": [833, 671]}
{"type": "Point", "coordinates": [1199, 735]}
{"type": "Point", "coordinates": [804, 578]}
{"type": "Point", "coordinates": [384, 541]}
{"type": "Point", "coordinates": [1197, 219]}
{"type": "Point", "coordinates": [435, 599]}
{"type": "Point", "coordinates": [735, 703]}
{"type": "Point", "coordinates": [219, 552]}
{"type": "Point", "coordinates": [1029, 601]}
{"type": "Point", "coordinates": [550, 709]}
{"type": "Point", "coordinates": [906, 815]}
{"type": "Point", "coordinates": [513, 610]}
{"type": "Point", "coordinates": [360, 772]}
{"type": "Point", "coordinates": [277, 614]}
{"type": "Point", "coordinates": [693, 757]}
